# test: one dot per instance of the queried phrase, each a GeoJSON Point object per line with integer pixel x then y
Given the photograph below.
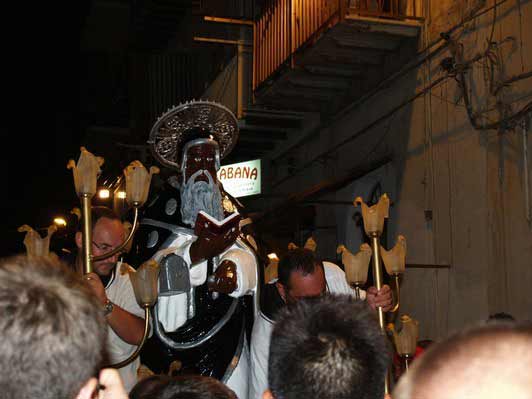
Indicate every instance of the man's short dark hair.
{"type": "Point", "coordinates": [328, 347]}
{"type": "Point", "coordinates": [301, 260]}
{"type": "Point", "coordinates": [52, 330]}
{"type": "Point", "coordinates": [98, 212]}
{"type": "Point", "coordinates": [195, 387]}
{"type": "Point", "coordinates": [148, 387]}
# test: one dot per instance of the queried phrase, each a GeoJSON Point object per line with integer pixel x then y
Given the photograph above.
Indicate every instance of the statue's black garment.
{"type": "Point", "coordinates": [213, 357]}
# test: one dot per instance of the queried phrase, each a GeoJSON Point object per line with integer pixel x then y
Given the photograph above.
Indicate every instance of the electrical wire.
{"type": "Point", "coordinates": [363, 130]}
{"type": "Point", "coordinates": [441, 41]}
{"type": "Point", "coordinates": [457, 71]}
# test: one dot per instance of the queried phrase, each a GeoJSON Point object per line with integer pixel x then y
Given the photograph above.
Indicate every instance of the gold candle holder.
{"type": "Point", "coordinates": [145, 286]}
{"type": "Point", "coordinates": [405, 338]}
{"type": "Point", "coordinates": [144, 281]}
{"type": "Point", "coordinates": [138, 181]}
{"type": "Point", "coordinates": [35, 244]}
{"type": "Point", "coordinates": [356, 266]}
{"type": "Point", "coordinates": [86, 172]}
{"type": "Point", "coordinates": [395, 264]}
{"type": "Point", "coordinates": [373, 217]}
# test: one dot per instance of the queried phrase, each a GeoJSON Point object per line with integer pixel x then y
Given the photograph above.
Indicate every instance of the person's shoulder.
{"type": "Point", "coordinates": [270, 302]}
{"type": "Point", "coordinates": [336, 279]}
{"type": "Point", "coordinates": [332, 270]}
{"type": "Point", "coordinates": [121, 278]}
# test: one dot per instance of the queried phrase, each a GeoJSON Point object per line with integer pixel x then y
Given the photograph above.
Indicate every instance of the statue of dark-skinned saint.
{"type": "Point", "coordinates": [209, 268]}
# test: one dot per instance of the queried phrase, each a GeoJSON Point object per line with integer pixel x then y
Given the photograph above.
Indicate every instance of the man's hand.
{"type": "Point", "coordinates": [92, 280]}
{"type": "Point", "coordinates": [382, 298]}
{"type": "Point", "coordinates": [224, 279]}
{"type": "Point", "coordinates": [108, 386]}
{"type": "Point", "coordinates": [112, 385]}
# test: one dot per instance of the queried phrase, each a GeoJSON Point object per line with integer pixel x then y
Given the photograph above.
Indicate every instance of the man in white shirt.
{"type": "Point", "coordinates": [114, 292]}
{"type": "Point", "coordinates": [301, 275]}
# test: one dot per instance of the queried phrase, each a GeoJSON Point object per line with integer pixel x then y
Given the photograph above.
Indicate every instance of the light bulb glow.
{"type": "Point", "coordinates": [103, 193]}
{"type": "Point", "coordinates": [59, 221]}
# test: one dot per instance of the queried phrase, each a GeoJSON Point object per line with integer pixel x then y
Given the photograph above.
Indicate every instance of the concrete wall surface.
{"type": "Point", "coordinates": [458, 193]}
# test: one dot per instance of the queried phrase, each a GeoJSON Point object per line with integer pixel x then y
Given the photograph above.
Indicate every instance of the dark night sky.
{"type": "Point", "coordinates": [41, 124]}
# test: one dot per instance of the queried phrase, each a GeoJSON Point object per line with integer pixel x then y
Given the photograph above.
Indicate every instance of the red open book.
{"type": "Point", "coordinates": [207, 226]}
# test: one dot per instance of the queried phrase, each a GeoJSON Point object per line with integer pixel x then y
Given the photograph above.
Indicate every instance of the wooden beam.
{"type": "Point", "coordinates": [221, 41]}
{"type": "Point", "coordinates": [427, 266]}
{"type": "Point", "coordinates": [394, 27]}
{"type": "Point", "coordinates": [318, 82]}
{"type": "Point", "coordinates": [333, 70]}
{"type": "Point", "coordinates": [232, 21]}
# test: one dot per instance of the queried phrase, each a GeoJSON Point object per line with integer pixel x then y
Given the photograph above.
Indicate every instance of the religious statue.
{"type": "Point", "coordinates": [209, 270]}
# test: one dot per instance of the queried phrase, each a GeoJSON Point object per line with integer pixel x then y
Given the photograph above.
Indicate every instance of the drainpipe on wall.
{"type": "Point", "coordinates": [243, 77]}
{"type": "Point", "coordinates": [528, 211]}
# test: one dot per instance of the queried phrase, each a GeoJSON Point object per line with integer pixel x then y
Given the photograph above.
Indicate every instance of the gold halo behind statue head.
{"type": "Point", "coordinates": [175, 127]}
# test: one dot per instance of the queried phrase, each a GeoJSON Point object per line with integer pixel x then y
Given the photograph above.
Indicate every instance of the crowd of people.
{"type": "Point", "coordinates": [219, 330]}
{"type": "Point", "coordinates": [322, 345]}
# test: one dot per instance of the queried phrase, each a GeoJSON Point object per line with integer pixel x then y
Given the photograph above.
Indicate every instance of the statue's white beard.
{"type": "Point", "coordinates": [200, 196]}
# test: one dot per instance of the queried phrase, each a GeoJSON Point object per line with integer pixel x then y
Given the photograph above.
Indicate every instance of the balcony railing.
{"type": "Point", "coordinates": [398, 9]}
{"type": "Point", "coordinates": [285, 26]}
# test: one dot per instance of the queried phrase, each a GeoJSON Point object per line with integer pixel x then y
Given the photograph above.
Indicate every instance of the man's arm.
{"type": "Point", "coordinates": [337, 283]}
{"type": "Point", "coordinates": [380, 298]}
{"type": "Point", "coordinates": [126, 325]}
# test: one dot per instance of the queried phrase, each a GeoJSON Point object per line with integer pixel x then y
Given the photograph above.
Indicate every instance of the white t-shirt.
{"type": "Point", "coordinates": [120, 291]}
{"type": "Point", "coordinates": [263, 326]}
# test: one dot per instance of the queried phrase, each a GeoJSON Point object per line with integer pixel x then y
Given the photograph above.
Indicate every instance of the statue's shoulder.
{"type": "Point", "coordinates": [164, 204]}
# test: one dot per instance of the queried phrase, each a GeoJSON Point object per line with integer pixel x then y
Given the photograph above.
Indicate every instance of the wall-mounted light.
{"type": "Point", "coordinates": [103, 193]}
{"type": "Point", "coordinates": [59, 221]}
{"type": "Point", "coordinates": [121, 194]}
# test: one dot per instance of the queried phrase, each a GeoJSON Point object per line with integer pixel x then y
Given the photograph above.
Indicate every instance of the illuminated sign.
{"type": "Point", "coordinates": [241, 179]}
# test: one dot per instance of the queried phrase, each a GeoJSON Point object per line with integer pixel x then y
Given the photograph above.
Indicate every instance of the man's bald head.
{"type": "Point", "coordinates": [488, 362]}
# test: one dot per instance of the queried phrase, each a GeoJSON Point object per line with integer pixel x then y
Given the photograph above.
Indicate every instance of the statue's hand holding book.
{"type": "Point", "coordinates": [214, 236]}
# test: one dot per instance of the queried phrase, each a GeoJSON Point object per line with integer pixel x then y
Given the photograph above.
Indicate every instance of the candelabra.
{"type": "Point", "coordinates": [394, 259]}
{"type": "Point", "coordinates": [37, 246]}
{"type": "Point", "coordinates": [356, 266]}
{"type": "Point", "coordinates": [145, 286]}
{"type": "Point", "coordinates": [405, 338]}
{"type": "Point", "coordinates": [138, 179]}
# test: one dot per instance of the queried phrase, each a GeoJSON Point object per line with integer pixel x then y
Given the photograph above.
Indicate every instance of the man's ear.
{"type": "Point", "coordinates": [87, 390]}
{"type": "Point", "coordinates": [267, 394]}
{"type": "Point", "coordinates": [79, 239]}
{"type": "Point", "coordinates": [281, 290]}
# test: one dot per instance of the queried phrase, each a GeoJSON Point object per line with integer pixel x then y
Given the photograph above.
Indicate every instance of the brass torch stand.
{"type": "Point", "coordinates": [407, 358]}
{"type": "Point", "coordinates": [133, 356]}
{"type": "Point", "coordinates": [87, 233]}
{"type": "Point", "coordinates": [88, 259]}
{"type": "Point", "coordinates": [377, 278]}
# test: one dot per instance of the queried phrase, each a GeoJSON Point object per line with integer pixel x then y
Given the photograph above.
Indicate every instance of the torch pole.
{"type": "Point", "coordinates": [377, 278]}
{"type": "Point", "coordinates": [87, 233]}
